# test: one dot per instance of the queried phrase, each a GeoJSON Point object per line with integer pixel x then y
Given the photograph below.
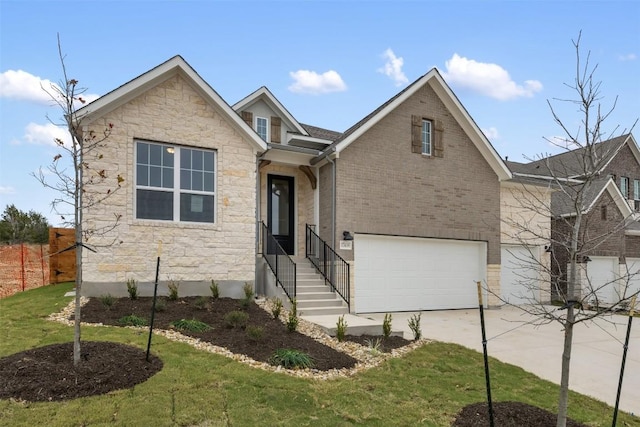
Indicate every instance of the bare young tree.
{"type": "Point", "coordinates": [571, 190]}
{"type": "Point", "coordinates": [79, 185]}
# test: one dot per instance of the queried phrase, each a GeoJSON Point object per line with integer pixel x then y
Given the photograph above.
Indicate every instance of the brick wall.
{"type": "Point", "coordinates": [384, 188]}
{"type": "Point", "coordinates": [624, 164]}
{"type": "Point", "coordinates": [174, 113]}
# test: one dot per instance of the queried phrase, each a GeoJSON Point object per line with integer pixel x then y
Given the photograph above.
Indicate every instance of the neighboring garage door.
{"type": "Point", "coordinates": [602, 273]}
{"type": "Point", "coordinates": [411, 274]}
{"type": "Point", "coordinates": [633, 264]}
{"type": "Point", "coordinates": [519, 274]}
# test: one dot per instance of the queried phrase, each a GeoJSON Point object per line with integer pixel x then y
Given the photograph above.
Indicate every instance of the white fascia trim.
{"type": "Point", "coordinates": [265, 94]}
{"type": "Point", "coordinates": [632, 232]}
{"type": "Point", "coordinates": [549, 178]}
{"type": "Point", "coordinates": [293, 136]}
{"type": "Point", "coordinates": [451, 101]}
{"type": "Point", "coordinates": [155, 76]}
{"type": "Point", "coordinates": [617, 197]}
{"type": "Point", "coordinates": [288, 157]}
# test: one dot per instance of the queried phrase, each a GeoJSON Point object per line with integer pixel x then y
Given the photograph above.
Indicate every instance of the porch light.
{"type": "Point", "coordinates": [346, 235]}
{"type": "Point", "coordinates": [548, 249]}
{"type": "Point", "coordinates": [586, 259]}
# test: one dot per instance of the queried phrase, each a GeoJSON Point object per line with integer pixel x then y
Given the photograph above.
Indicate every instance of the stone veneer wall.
{"type": "Point", "coordinates": [174, 113]}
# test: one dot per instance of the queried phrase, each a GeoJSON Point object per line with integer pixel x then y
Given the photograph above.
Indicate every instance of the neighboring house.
{"type": "Point", "coordinates": [408, 197]}
{"type": "Point", "coordinates": [610, 209]}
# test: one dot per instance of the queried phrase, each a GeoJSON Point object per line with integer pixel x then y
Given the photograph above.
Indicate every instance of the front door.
{"type": "Point", "coordinates": [280, 216]}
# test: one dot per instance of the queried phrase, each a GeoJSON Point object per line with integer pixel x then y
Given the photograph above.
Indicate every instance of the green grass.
{"type": "Point", "coordinates": [426, 387]}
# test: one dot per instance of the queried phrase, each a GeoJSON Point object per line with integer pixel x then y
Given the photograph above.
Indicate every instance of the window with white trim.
{"type": "Point", "coordinates": [426, 137]}
{"type": "Point", "coordinates": [262, 126]}
{"type": "Point", "coordinates": [624, 186]}
{"type": "Point", "coordinates": [169, 193]}
{"type": "Point", "coordinates": [636, 189]}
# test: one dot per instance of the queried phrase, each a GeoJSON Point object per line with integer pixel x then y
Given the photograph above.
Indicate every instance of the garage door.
{"type": "Point", "coordinates": [602, 273]}
{"type": "Point", "coordinates": [410, 274]}
{"type": "Point", "coordinates": [633, 265]}
{"type": "Point", "coordinates": [519, 273]}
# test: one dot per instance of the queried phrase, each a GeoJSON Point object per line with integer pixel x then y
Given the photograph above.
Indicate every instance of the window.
{"type": "Point", "coordinates": [164, 192]}
{"type": "Point", "coordinates": [636, 189]}
{"type": "Point", "coordinates": [426, 137]}
{"type": "Point", "coordinates": [261, 127]}
{"type": "Point", "coordinates": [624, 186]}
{"type": "Point", "coordinates": [603, 212]}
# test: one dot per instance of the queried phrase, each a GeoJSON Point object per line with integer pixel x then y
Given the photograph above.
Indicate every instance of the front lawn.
{"type": "Point", "coordinates": [428, 386]}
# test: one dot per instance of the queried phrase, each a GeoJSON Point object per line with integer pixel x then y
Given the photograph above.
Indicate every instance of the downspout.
{"type": "Point", "coordinates": [257, 274]}
{"type": "Point", "coordinates": [333, 215]}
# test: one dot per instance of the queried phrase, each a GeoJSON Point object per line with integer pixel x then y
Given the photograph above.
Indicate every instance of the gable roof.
{"type": "Point", "coordinates": [570, 164]}
{"type": "Point", "coordinates": [174, 66]}
{"type": "Point", "coordinates": [563, 204]}
{"type": "Point", "coordinates": [449, 99]}
{"type": "Point", "coordinates": [264, 94]}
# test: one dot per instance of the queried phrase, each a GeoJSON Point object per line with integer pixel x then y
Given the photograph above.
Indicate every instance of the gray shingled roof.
{"type": "Point", "coordinates": [562, 201]}
{"type": "Point", "coordinates": [571, 163]}
{"type": "Point", "coordinates": [321, 133]}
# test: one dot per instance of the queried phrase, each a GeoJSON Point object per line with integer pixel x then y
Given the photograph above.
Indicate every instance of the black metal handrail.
{"type": "Point", "coordinates": [283, 267]}
{"type": "Point", "coordinates": [332, 266]}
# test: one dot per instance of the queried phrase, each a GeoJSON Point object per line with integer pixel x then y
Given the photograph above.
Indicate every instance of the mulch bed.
{"type": "Point", "coordinates": [508, 414]}
{"type": "Point", "coordinates": [47, 373]}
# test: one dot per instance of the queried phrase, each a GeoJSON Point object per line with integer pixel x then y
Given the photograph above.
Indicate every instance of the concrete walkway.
{"type": "Point", "coordinates": [596, 356]}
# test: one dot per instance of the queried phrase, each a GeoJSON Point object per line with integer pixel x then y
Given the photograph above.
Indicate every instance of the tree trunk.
{"type": "Point", "coordinates": [563, 401]}
{"type": "Point", "coordinates": [78, 243]}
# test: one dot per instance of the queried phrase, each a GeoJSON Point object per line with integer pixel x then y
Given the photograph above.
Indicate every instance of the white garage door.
{"type": "Point", "coordinates": [519, 274]}
{"type": "Point", "coordinates": [633, 264]}
{"type": "Point", "coordinates": [411, 274]}
{"type": "Point", "coordinates": [602, 273]}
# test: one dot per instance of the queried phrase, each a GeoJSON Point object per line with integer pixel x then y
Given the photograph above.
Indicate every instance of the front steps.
{"type": "Point", "coordinates": [314, 297]}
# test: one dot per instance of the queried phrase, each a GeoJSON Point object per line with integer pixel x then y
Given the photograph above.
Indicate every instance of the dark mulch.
{"type": "Point", "coordinates": [508, 414]}
{"type": "Point", "coordinates": [384, 344]}
{"type": "Point", "coordinates": [47, 373]}
{"type": "Point", "coordinates": [237, 340]}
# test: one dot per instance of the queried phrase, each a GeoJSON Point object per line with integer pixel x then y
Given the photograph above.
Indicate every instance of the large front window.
{"type": "Point", "coordinates": [166, 192]}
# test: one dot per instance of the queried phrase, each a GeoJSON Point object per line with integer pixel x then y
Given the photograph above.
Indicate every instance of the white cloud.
{"type": "Point", "coordinates": [628, 57]}
{"type": "Point", "coordinates": [393, 68]}
{"type": "Point", "coordinates": [45, 134]}
{"type": "Point", "coordinates": [306, 81]}
{"type": "Point", "coordinates": [487, 79]}
{"type": "Point", "coordinates": [7, 190]}
{"type": "Point", "coordinates": [23, 86]}
{"type": "Point", "coordinates": [491, 133]}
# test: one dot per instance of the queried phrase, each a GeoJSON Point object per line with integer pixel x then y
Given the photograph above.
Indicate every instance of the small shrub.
{"type": "Point", "coordinates": [276, 308]}
{"type": "Point", "coordinates": [291, 359]}
{"type": "Point", "coordinates": [248, 290]}
{"type": "Point", "coordinates": [107, 301]}
{"type": "Point", "coordinates": [255, 333]}
{"type": "Point", "coordinates": [292, 319]}
{"type": "Point", "coordinates": [341, 328]}
{"type": "Point", "coordinates": [161, 305]}
{"type": "Point", "coordinates": [386, 325]}
{"type": "Point", "coordinates": [132, 288]}
{"type": "Point", "coordinates": [192, 325]}
{"type": "Point", "coordinates": [236, 319]}
{"type": "Point", "coordinates": [374, 346]}
{"type": "Point", "coordinates": [132, 320]}
{"type": "Point", "coordinates": [200, 303]}
{"type": "Point", "coordinates": [245, 303]}
{"type": "Point", "coordinates": [173, 290]}
{"type": "Point", "coordinates": [414, 325]}
{"type": "Point", "coordinates": [215, 289]}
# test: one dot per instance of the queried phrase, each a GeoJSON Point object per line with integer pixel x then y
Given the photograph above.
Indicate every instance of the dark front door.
{"type": "Point", "coordinates": [280, 216]}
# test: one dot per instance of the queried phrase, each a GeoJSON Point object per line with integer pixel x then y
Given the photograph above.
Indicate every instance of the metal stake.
{"type": "Point", "coordinates": [486, 357]}
{"type": "Point", "coordinates": [624, 358]}
{"type": "Point", "coordinates": [153, 304]}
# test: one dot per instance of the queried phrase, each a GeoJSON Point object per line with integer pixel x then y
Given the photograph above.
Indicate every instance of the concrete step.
{"type": "Point", "coordinates": [313, 289]}
{"type": "Point", "coordinates": [356, 325]}
{"type": "Point", "coordinates": [313, 303]}
{"type": "Point", "coordinates": [301, 295]}
{"type": "Point", "coordinates": [323, 311]}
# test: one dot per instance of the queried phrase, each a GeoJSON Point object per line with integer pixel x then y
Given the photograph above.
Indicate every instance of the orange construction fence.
{"type": "Point", "coordinates": [23, 266]}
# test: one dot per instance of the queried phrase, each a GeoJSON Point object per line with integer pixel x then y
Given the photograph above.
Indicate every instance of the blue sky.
{"type": "Point", "coordinates": [330, 63]}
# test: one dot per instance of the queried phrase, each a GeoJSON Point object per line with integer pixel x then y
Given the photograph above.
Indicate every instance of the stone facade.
{"type": "Point", "coordinates": [173, 113]}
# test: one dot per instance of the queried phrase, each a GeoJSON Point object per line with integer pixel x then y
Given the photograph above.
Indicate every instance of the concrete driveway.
{"type": "Point", "coordinates": [596, 356]}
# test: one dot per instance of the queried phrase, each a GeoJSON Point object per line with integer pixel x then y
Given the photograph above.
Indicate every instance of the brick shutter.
{"type": "Point", "coordinates": [275, 129]}
{"type": "Point", "coordinates": [438, 143]}
{"type": "Point", "coordinates": [247, 116]}
{"type": "Point", "coordinates": [416, 134]}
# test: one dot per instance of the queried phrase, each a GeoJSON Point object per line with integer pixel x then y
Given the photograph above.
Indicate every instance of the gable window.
{"type": "Point", "coordinates": [624, 186]}
{"type": "Point", "coordinates": [167, 192]}
{"type": "Point", "coordinates": [426, 137]}
{"type": "Point", "coordinates": [603, 212]}
{"type": "Point", "coordinates": [636, 189]}
{"type": "Point", "coordinates": [262, 125]}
